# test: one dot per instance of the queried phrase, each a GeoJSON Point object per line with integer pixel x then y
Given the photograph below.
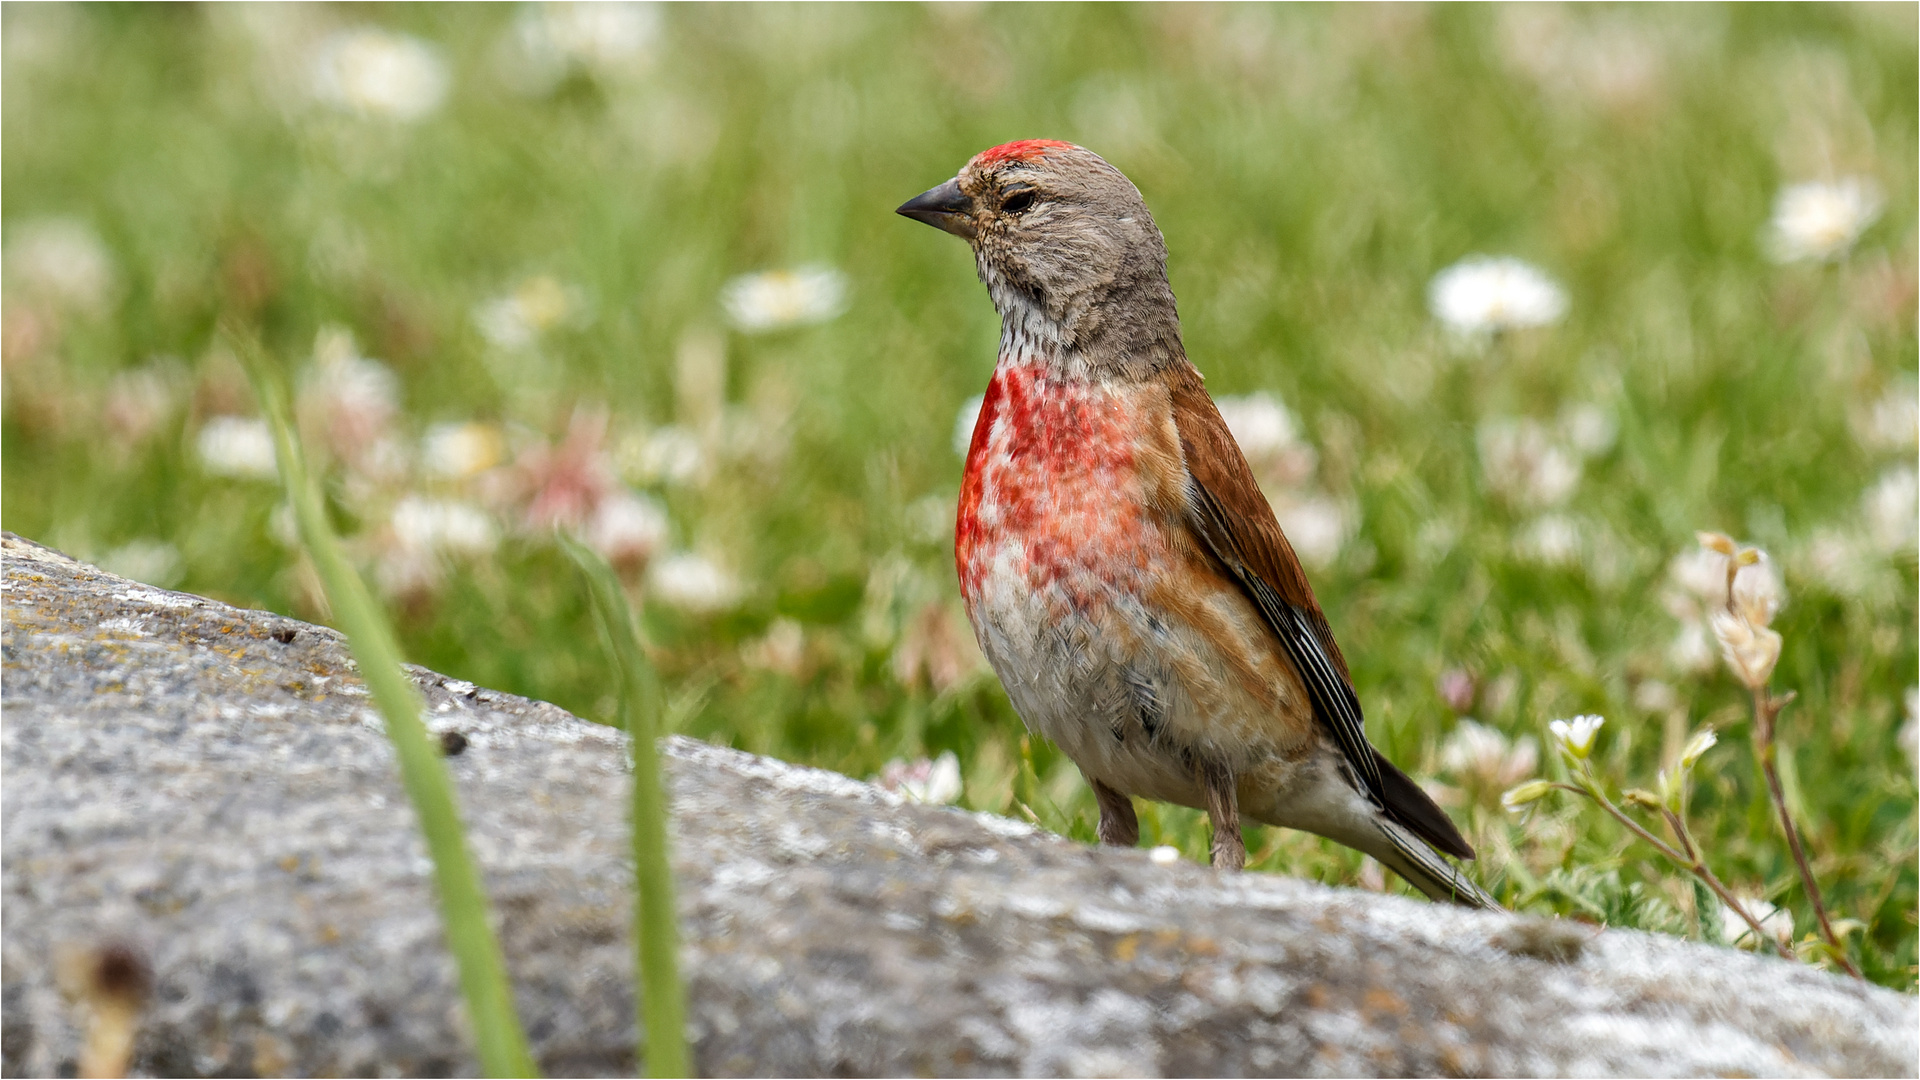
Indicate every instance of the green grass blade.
{"type": "Point", "coordinates": [501, 1044]}
{"type": "Point", "coordinates": [663, 1009]}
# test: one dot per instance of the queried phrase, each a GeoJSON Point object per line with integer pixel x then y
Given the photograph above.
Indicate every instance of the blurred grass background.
{"type": "Point", "coordinates": [495, 244]}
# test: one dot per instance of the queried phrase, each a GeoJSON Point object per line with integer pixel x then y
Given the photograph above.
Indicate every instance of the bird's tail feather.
{"type": "Point", "coordinates": [1410, 857]}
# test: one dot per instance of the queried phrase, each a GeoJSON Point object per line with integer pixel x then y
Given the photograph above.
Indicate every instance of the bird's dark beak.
{"type": "Point", "coordinates": [945, 208]}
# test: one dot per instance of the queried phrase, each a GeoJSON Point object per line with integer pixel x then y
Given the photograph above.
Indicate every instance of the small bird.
{"type": "Point", "coordinates": [1124, 574]}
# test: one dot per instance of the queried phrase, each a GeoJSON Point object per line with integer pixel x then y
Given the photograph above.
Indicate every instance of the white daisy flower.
{"type": "Point", "coordinates": [1692, 650]}
{"type": "Point", "coordinates": [777, 299]}
{"type": "Point", "coordinates": [516, 320]}
{"type": "Point", "coordinates": [671, 454]}
{"type": "Point", "coordinates": [627, 526]}
{"type": "Point", "coordinates": [463, 450]}
{"type": "Point", "coordinates": [609, 39]}
{"type": "Point", "coordinates": [1524, 464]}
{"type": "Point", "coordinates": [61, 261]}
{"type": "Point", "coordinates": [1588, 428]}
{"type": "Point", "coordinates": [428, 525]}
{"type": "Point", "coordinates": [1821, 220]}
{"type": "Point", "coordinates": [1316, 526]}
{"type": "Point", "coordinates": [1890, 507]}
{"type": "Point", "coordinates": [1483, 294]}
{"type": "Point", "coordinates": [372, 72]}
{"type": "Point", "coordinates": [1550, 540]}
{"type": "Point", "coordinates": [693, 582]}
{"type": "Point", "coordinates": [1891, 422]}
{"type": "Point", "coordinates": [1479, 753]}
{"type": "Point", "coordinates": [1259, 422]}
{"type": "Point", "coordinates": [352, 398]}
{"type": "Point", "coordinates": [237, 446]}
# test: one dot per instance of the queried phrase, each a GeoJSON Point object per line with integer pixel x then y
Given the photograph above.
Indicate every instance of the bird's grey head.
{"type": "Point", "coordinates": [1068, 250]}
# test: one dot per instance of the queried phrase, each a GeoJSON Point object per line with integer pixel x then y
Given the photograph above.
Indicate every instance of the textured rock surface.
{"type": "Point", "coordinates": [210, 786]}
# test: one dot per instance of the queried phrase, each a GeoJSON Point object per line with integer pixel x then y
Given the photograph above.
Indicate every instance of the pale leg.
{"type": "Point", "coordinates": [1223, 812]}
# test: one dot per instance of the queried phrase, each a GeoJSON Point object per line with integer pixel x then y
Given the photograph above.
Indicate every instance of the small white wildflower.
{"type": "Point", "coordinates": [352, 398]}
{"type": "Point", "coordinates": [935, 782]}
{"type": "Point", "coordinates": [372, 72]}
{"type": "Point", "coordinates": [1652, 695]}
{"type": "Point", "coordinates": [1259, 422]}
{"type": "Point", "coordinates": [1692, 650]}
{"type": "Point", "coordinates": [140, 400]}
{"type": "Point", "coordinates": [608, 39]}
{"type": "Point", "coordinates": [1821, 220]}
{"type": "Point", "coordinates": [61, 261]}
{"type": "Point", "coordinates": [1316, 526]}
{"type": "Point", "coordinates": [153, 562]}
{"type": "Point", "coordinates": [627, 526]}
{"type": "Point", "coordinates": [1530, 792]}
{"type": "Point", "coordinates": [237, 446]}
{"type": "Point", "coordinates": [1485, 756]}
{"type": "Point", "coordinates": [1698, 583]}
{"type": "Point", "coordinates": [671, 454]}
{"type": "Point", "coordinates": [1776, 921]}
{"type": "Point", "coordinates": [1892, 421]}
{"type": "Point", "coordinates": [1701, 742]}
{"type": "Point", "coordinates": [516, 320]}
{"type": "Point", "coordinates": [1164, 855]}
{"type": "Point", "coordinates": [1751, 651]}
{"type": "Point", "coordinates": [1588, 428]}
{"type": "Point", "coordinates": [693, 582]}
{"type": "Point", "coordinates": [1522, 463]}
{"type": "Point", "coordinates": [1482, 294]}
{"type": "Point", "coordinates": [964, 422]}
{"type": "Point", "coordinates": [1550, 540]}
{"type": "Point", "coordinates": [1576, 735]}
{"type": "Point", "coordinates": [1840, 560]}
{"type": "Point", "coordinates": [463, 450]}
{"type": "Point", "coordinates": [1607, 60]}
{"type": "Point", "coordinates": [783, 649]}
{"type": "Point", "coordinates": [1890, 507]}
{"type": "Point", "coordinates": [1758, 593]}
{"type": "Point", "coordinates": [776, 299]}
{"type": "Point", "coordinates": [426, 525]}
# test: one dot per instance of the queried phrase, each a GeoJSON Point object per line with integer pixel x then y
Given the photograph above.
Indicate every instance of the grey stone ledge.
{"type": "Point", "coordinates": [211, 787]}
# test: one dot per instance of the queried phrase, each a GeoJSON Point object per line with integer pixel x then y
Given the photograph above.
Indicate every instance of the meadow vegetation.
{"type": "Point", "coordinates": [633, 273]}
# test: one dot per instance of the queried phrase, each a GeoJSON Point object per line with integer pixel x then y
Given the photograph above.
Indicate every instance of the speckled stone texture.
{"type": "Point", "coordinates": [211, 787]}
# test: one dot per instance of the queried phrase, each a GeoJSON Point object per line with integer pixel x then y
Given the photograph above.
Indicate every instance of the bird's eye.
{"type": "Point", "coordinates": [1017, 202]}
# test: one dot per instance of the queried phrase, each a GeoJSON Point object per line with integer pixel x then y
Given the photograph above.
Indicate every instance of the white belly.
{"type": "Point", "coordinates": [1109, 684]}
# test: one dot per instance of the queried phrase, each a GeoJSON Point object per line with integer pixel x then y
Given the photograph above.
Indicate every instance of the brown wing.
{"type": "Point", "coordinates": [1232, 517]}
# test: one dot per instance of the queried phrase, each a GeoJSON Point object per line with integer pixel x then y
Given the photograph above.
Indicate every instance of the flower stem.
{"type": "Point", "coordinates": [1766, 710]}
{"type": "Point", "coordinates": [1693, 865]}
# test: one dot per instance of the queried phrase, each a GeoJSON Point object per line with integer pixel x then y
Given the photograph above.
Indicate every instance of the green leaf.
{"type": "Point", "coordinates": [498, 1038]}
{"type": "Point", "coordinates": [662, 1005]}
